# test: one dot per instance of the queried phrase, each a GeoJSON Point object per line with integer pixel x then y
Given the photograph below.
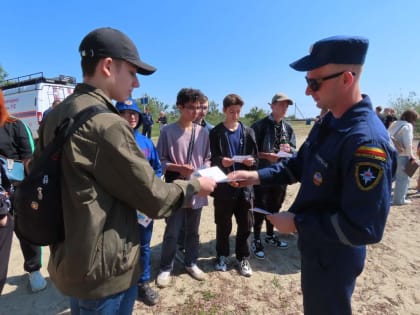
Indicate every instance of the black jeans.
{"type": "Point", "coordinates": [224, 209]}
{"type": "Point", "coordinates": [32, 256]}
{"type": "Point", "coordinates": [269, 198]}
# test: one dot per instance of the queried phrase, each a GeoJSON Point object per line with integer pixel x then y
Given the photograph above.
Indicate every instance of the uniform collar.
{"type": "Point", "coordinates": [350, 117]}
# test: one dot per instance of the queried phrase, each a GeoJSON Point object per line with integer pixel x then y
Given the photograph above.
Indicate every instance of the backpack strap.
{"type": "Point", "coordinates": [31, 139]}
{"type": "Point", "coordinates": [71, 124]}
{"type": "Point", "coordinates": [64, 131]}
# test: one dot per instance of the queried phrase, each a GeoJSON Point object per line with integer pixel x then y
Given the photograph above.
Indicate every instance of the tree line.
{"type": "Point", "coordinates": [215, 115]}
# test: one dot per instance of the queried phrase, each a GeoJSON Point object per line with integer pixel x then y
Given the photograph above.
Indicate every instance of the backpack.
{"type": "Point", "coordinates": [37, 199]}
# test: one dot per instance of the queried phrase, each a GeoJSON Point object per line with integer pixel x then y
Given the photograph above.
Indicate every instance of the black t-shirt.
{"type": "Point", "coordinates": [14, 141]}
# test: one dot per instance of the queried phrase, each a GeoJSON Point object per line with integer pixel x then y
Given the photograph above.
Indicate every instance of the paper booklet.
{"type": "Point", "coordinates": [283, 154]}
{"type": "Point", "coordinates": [259, 210]}
{"type": "Point", "coordinates": [240, 158]}
{"type": "Point", "coordinates": [213, 172]}
{"type": "Point", "coordinates": [216, 173]}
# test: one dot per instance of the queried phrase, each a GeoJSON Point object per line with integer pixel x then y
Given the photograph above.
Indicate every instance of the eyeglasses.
{"type": "Point", "coordinates": [315, 84]}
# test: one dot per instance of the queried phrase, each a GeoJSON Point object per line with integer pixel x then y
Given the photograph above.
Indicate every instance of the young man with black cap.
{"type": "Point", "coordinates": [273, 135]}
{"type": "Point", "coordinates": [105, 178]}
{"type": "Point", "coordinates": [345, 168]}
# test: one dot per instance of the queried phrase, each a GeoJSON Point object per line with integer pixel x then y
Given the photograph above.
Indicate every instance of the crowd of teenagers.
{"type": "Point", "coordinates": [116, 182]}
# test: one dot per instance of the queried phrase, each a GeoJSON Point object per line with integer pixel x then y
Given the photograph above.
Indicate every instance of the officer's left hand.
{"type": "Point", "coordinates": [283, 222]}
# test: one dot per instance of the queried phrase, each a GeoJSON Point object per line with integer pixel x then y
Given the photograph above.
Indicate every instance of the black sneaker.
{"type": "Point", "coordinates": [274, 241]}
{"type": "Point", "coordinates": [258, 249]}
{"type": "Point", "coordinates": [147, 294]}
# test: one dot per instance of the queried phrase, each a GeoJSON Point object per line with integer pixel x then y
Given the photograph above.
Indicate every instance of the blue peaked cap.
{"type": "Point", "coordinates": [337, 50]}
{"type": "Point", "coordinates": [128, 104]}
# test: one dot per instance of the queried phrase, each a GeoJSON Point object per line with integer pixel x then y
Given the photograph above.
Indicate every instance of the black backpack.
{"type": "Point", "coordinates": [37, 199]}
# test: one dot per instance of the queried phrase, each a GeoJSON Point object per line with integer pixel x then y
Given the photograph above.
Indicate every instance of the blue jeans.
{"type": "Point", "coordinates": [145, 238]}
{"type": "Point", "coordinates": [118, 304]}
{"type": "Point", "coordinates": [191, 217]}
{"type": "Point", "coordinates": [401, 181]}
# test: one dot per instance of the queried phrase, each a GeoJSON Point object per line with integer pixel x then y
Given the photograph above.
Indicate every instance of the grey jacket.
{"type": "Point", "coordinates": [105, 177]}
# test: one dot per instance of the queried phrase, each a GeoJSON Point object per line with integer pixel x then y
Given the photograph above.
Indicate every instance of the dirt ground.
{"type": "Point", "coordinates": [388, 285]}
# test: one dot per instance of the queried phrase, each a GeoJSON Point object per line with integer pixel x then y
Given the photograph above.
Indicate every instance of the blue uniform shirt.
{"type": "Point", "coordinates": [345, 168]}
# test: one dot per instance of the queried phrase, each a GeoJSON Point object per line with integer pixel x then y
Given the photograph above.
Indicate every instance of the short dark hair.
{"type": "Point", "coordinates": [410, 116]}
{"type": "Point", "coordinates": [204, 99]}
{"type": "Point", "coordinates": [232, 99]}
{"type": "Point", "coordinates": [89, 66]}
{"type": "Point", "coordinates": [187, 95]}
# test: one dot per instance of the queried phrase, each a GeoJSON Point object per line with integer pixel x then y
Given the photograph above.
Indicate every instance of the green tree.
{"type": "Point", "coordinates": [3, 74]}
{"type": "Point", "coordinates": [214, 116]}
{"type": "Point", "coordinates": [402, 103]}
{"type": "Point", "coordinates": [254, 115]}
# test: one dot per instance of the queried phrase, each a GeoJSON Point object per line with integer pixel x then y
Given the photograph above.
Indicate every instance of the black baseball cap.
{"type": "Point", "coordinates": [109, 42]}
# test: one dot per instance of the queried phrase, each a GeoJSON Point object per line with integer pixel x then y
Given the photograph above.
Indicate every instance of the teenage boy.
{"type": "Point", "coordinates": [130, 112]}
{"type": "Point", "coordinates": [229, 139]}
{"type": "Point", "coordinates": [104, 179]}
{"type": "Point", "coordinates": [274, 135]}
{"type": "Point", "coordinates": [200, 120]}
{"type": "Point", "coordinates": [183, 147]}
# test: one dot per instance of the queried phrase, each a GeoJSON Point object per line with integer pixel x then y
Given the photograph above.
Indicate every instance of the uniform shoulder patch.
{"type": "Point", "coordinates": [368, 175]}
{"type": "Point", "coordinates": [371, 152]}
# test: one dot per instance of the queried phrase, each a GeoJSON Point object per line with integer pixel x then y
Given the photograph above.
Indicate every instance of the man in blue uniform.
{"type": "Point", "coordinates": [345, 168]}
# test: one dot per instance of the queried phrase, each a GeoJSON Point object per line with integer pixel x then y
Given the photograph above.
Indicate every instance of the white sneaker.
{"type": "Point", "coordinates": [163, 279]}
{"type": "Point", "coordinates": [221, 264]}
{"type": "Point", "coordinates": [37, 281]}
{"type": "Point", "coordinates": [196, 273]}
{"type": "Point", "coordinates": [245, 268]}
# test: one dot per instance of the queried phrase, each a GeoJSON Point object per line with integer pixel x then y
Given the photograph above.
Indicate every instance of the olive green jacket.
{"type": "Point", "coordinates": [105, 177]}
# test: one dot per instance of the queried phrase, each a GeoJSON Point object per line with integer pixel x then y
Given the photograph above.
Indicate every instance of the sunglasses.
{"type": "Point", "coordinates": [315, 84]}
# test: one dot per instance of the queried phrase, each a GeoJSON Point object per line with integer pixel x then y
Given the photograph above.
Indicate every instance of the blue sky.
{"type": "Point", "coordinates": [219, 46]}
